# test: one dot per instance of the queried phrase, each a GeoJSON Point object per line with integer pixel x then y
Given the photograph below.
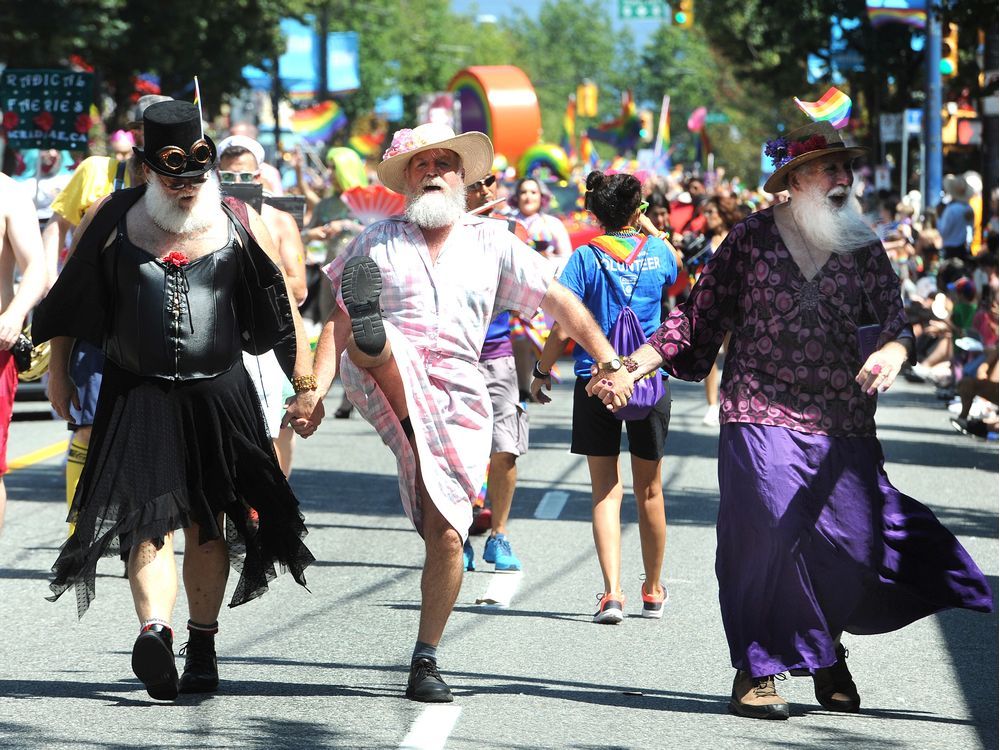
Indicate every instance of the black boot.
{"type": "Point", "coordinates": [835, 688]}
{"type": "Point", "coordinates": [201, 671]}
{"type": "Point", "coordinates": [153, 661]}
{"type": "Point", "coordinates": [425, 683]}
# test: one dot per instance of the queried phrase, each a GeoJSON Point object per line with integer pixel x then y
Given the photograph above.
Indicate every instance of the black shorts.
{"type": "Point", "coordinates": [597, 432]}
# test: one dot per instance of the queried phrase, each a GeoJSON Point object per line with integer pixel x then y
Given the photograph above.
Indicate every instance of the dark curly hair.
{"type": "Point", "coordinates": [612, 198]}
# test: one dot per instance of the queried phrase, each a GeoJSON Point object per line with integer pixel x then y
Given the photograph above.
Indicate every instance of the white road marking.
{"type": "Point", "coordinates": [551, 505]}
{"type": "Point", "coordinates": [501, 590]}
{"type": "Point", "coordinates": [431, 729]}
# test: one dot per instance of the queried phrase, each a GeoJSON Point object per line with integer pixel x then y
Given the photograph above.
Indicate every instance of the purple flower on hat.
{"type": "Point", "coordinates": [777, 150]}
{"type": "Point", "coordinates": [402, 141]}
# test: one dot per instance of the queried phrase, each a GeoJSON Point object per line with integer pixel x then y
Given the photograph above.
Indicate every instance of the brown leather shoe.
{"type": "Point", "coordinates": [835, 688]}
{"type": "Point", "coordinates": [756, 697]}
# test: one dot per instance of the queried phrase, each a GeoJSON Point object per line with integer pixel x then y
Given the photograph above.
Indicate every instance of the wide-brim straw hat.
{"type": "Point", "coordinates": [473, 148]}
{"type": "Point", "coordinates": [803, 145]}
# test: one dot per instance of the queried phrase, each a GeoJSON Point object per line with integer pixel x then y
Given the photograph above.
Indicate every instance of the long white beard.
{"type": "Point", "coordinates": [171, 217]}
{"type": "Point", "coordinates": [827, 227]}
{"type": "Point", "coordinates": [436, 209]}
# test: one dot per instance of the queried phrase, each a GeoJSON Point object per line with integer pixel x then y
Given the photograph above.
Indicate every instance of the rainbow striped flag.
{"type": "Point", "coordinates": [623, 131]}
{"type": "Point", "coordinates": [661, 148]}
{"type": "Point", "coordinates": [568, 141]}
{"type": "Point", "coordinates": [368, 145]}
{"type": "Point", "coordinates": [588, 154]}
{"type": "Point", "coordinates": [834, 106]}
{"type": "Point", "coordinates": [908, 12]}
{"type": "Point", "coordinates": [320, 122]}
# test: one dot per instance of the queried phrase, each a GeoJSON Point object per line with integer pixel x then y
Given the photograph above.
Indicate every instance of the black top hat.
{"type": "Point", "coordinates": [174, 143]}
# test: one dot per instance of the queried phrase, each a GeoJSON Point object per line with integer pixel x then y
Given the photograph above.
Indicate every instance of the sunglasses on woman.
{"type": "Point", "coordinates": [230, 178]}
{"type": "Point", "coordinates": [174, 158]}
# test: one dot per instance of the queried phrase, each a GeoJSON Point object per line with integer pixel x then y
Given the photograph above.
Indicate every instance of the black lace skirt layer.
{"type": "Point", "coordinates": [164, 455]}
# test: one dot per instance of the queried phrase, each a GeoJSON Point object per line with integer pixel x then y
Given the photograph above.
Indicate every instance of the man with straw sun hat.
{"type": "Point", "coordinates": [416, 295]}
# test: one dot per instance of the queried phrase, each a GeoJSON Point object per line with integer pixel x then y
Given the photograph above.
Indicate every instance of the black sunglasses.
{"type": "Point", "coordinates": [486, 182]}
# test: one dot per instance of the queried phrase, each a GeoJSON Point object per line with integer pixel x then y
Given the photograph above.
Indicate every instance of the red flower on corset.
{"type": "Point", "coordinates": [176, 259]}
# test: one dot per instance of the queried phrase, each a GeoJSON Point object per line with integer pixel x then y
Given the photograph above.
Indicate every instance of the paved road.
{"type": "Point", "coordinates": [326, 669]}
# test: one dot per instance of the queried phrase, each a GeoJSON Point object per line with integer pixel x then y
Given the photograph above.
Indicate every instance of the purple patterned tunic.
{"type": "Point", "coordinates": [793, 354]}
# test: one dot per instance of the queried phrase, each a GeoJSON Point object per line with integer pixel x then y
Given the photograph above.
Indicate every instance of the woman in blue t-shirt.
{"type": "Point", "coordinates": [639, 267]}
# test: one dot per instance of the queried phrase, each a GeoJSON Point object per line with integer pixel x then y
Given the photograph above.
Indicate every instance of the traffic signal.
{"type": "Point", "coordinates": [949, 51]}
{"type": "Point", "coordinates": [646, 125]}
{"type": "Point", "coordinates": [684, 13]}
{"type": "Point", "coordinates": [586, 99]}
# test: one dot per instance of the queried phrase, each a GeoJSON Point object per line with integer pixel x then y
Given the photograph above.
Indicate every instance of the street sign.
{"type": "Point", "coordinates": [716, 118]}
{"type": "Point", "coordinates": [914, 121]}
{"type": "Point", "coordinates": [642, 9]}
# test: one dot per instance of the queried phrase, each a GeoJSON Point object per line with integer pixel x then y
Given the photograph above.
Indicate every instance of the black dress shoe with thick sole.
{"type": "Point", "coordinates": [835, 688]}
{"type": "Point", "coordinates": [361, 287]}
{"type": "Point", "coordinates": [153, 662]}
{"type": "Point", "coordinates": [425, 683]}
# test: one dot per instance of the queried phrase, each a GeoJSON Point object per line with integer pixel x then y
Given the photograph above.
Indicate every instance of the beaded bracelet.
{"type": "Point", "coordinates": [630, 364]}
{"type": "Point", "coordinates": [303, 383]}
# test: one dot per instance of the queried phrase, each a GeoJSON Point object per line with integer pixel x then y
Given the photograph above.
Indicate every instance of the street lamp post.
{"type": "Point", "coordinates": [932, 110]}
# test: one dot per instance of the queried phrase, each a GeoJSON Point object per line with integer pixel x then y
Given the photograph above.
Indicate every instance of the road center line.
{"type": "Point", "coordinates": [551, 504]}
{"type": "Point", "coordinates": [42, 454]}
{"type": "Point", "coordinates": [501, 589]}
{"type": "Point", "coordinates": [431, 729]}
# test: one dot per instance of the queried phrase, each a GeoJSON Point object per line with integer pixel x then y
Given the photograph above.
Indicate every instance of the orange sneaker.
{"type": "Point", "coordinates": [610, 609]}
{"type": "Point", "coordinates": [652, 604]}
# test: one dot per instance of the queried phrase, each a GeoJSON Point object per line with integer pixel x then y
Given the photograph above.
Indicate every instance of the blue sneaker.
{"type": "Point", "coordinates": [468, 556]}
{"type": "Point", "coordinates": [498, 552]}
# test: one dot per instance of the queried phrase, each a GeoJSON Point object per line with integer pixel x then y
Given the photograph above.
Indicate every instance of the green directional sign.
{"type": "Point", "coordinates": [642, 9]}
{"type": "Point", "coordinates": [716, 118]}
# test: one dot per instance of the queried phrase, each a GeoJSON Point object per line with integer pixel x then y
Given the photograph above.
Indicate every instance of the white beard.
{"type": "Point", "coordinates": [827, 227]}
{"type": "Point", "coordinates": [171, 217]}
{"type": "Point", "coordinates": [435, 209]}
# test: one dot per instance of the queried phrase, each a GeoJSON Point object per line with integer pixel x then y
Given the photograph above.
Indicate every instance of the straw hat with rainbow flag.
{"type": "Point", "coordinates": [820, 138]}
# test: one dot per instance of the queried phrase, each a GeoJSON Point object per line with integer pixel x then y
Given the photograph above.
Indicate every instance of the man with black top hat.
{"type": "Point", "coordinates": [92, 180]}
{"type": "Point", "coordinates": [172, 283]}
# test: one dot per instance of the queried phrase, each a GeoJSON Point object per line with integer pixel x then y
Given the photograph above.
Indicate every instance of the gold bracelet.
{"type": "Point", "coordinates": [303, 383]}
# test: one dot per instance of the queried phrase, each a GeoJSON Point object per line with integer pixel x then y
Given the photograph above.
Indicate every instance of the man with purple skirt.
{"type": "Point", "coordinates": [813, 540]}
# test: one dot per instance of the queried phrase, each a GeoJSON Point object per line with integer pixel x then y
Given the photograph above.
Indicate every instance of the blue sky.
{"type": "Point", "coordinates": [641, 29]}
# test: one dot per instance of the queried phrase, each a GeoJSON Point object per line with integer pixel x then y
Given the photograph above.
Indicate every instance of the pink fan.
{"type": "Point", "coordinates": [373, 203]}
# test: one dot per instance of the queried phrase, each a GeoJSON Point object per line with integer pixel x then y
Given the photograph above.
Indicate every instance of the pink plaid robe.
{"type": "Point", "coordinates": [436, 316]}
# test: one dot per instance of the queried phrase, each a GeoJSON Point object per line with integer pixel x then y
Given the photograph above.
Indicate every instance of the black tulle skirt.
{"type": "Point", "coordinates": [164, 455]}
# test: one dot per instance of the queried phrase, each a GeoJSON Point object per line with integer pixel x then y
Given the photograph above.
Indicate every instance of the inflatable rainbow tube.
{"type": "Point", "coordinates": [500, 101]}
{"type": "Point", "coordinates": [544, 156]}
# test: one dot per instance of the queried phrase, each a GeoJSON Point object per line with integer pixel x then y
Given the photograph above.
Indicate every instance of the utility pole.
{"type": "Point", "coordinates": [932, 110]}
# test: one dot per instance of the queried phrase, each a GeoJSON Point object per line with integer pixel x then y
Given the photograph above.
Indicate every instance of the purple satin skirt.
{"type": "Point", "coordinates": [815, 541]}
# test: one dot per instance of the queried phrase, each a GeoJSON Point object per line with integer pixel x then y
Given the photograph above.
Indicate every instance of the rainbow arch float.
{"type": "Point", "coordinates": [500, 101]}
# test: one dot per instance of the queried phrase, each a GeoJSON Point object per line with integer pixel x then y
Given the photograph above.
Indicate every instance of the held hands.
{"type": "Point", "coordinates": [613, 388]}
{"type": "Point", "coordinates": [304, 413]}
{"type": "Point", "coordinates": [881, 368]}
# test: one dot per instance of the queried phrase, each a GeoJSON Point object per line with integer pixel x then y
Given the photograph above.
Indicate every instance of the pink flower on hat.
{"type": "Point", "coordinates": [402, 141]}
